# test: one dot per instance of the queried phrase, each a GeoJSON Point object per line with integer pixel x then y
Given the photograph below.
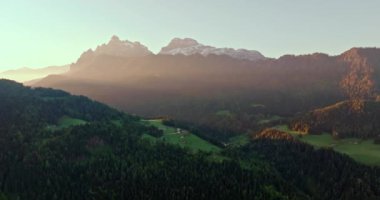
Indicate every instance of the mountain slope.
{"type": "Point", "coordinates": [194, 88]}
{"type": "Point", "coordinates": [57, 146]}
{"type": "Point", "coordinates": [320, 173]}
{"type": "Point", "coordinates": [339, 119]}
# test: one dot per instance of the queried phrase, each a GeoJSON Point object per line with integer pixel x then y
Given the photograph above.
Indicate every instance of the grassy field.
{"type": "Point", "coordinates": [224, 113]}
{"type": "Point", "coordinates": [118, 123]}
{"type": "Point", "coordinates": [363, 151]}
{"type": "Point", "coordinates": [239, 140]}
{"type": "Point", "coordinates": [257, 105]}
{"type": "Point", "coordinates": [65, 122]}
{"type": "Point", "coordinates": [270, 119]}
{"type": "Point", "coordinates": [184, 139]}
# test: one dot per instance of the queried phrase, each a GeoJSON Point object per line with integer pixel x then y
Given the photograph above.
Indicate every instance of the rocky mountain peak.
{"type": "Point", "coordinates": [188, 46]}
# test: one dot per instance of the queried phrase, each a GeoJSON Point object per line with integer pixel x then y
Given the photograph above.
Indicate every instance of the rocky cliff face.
{"type": "Point", "coordinates": [115, 47]}
{"type": "Point", "coordinates": [190, 46]}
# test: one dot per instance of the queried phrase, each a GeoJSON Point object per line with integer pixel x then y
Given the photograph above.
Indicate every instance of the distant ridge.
{"type": "Point", "coordinates": [27, 74]}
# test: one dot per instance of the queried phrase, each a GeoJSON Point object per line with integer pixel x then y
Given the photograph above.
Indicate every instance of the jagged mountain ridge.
{"type": "Point", "coordinates": [115, 47]}
{"type": "Point", "coordinates": [188, 46]}
{"type": "Point", "coordinates": [140, 84]}
{"type": "Point", "coordinates": [118, 48]}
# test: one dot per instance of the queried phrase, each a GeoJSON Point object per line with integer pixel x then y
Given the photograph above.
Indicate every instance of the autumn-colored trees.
{"type": "Point", "coordinates": [358, 83]}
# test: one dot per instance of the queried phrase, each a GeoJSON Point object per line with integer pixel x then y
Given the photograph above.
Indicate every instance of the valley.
{"type": "Point", "coordinates": [189, 100]}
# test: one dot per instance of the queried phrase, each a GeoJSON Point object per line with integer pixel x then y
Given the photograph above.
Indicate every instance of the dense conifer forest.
{"type": "Point", "coordinates": [105, 157]}
{"type": "Point", "coordinates": [58, 146]}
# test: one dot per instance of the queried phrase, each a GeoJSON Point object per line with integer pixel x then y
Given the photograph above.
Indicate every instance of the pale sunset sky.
{"type": "Point", "coordinates": [39, 33]}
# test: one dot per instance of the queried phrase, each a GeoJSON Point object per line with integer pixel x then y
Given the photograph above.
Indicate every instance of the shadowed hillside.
{"type": "Point", "coordinates": [193, 88]}
{"type": "Point", "coordinates": [57, 146]}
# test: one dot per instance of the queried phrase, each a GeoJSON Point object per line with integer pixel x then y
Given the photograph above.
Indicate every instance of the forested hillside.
{"type": "Point", "coordinates": [57, 146]}
{"type": "Point", "coordinates": [321, 173]}
{"type": "Point", "coordinates": [341, 121]}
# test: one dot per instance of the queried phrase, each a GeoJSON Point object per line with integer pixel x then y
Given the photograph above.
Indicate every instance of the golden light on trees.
{"type": "Point", "coordinates": [358, 83]}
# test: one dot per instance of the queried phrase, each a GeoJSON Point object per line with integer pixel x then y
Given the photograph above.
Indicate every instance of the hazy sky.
{"type": "Point", "coordinates": [39, 33]}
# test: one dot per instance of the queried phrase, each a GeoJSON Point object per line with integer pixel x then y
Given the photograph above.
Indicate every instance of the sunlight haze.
{"type": "Point", "coordinates": [42, 33]}
{"type": "Point", "coordinates": [189, 99]}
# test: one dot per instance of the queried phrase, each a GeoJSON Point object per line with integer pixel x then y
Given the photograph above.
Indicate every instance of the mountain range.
{"type": "Point", "coordinates": [193, 87]}
{"type": "Point", "coordinates": [118, 48]}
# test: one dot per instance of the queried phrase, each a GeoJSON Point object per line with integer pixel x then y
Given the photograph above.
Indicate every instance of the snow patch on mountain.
{"type": "Point", "coordinates": [190, 46]}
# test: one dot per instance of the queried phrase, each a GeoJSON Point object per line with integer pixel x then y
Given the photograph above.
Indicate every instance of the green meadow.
{"type": "Point", "coordinates": [184, 139]}
{"type": "Point", "coordinates": [361, 150]}
{"type": "Point", "coordinates": [239, 140]}
{"type": "Point", "coordinates": [270, 119]}
{"type": "Point", "coordinates": [65, 122]}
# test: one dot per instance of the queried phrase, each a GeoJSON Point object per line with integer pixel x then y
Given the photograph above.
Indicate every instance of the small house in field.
{"type": "Point", "coordinates": [225, 144]}
{"type": "Point", "coordinates": [179, 131]}
{"type": "Point", "coordinates": [335, 135]}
